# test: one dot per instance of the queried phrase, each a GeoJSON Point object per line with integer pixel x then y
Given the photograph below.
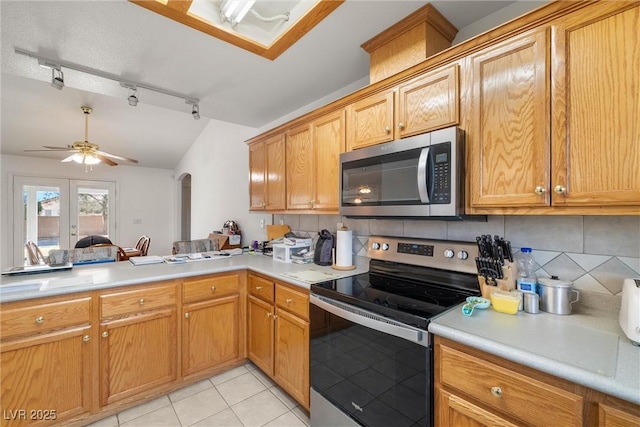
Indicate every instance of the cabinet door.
{"type": "Point", "coordinates": [260, 324]}
{"type": "Point", "coordinates": [613, 417]}
{"type": "Point", "coordinates": [257, 170]}
{"type": "Point", "coordinates": [429, 102]}
{"type": "Point", "coordinates": [329, 141]}
{"type": "Point", "coordinates": [370, 121]}
{"type": "Point", "coordinates": [275, 172]}
{"type": "Point", "coordinates": [453, 411]}
{"type": "Point", "coordinates": [292, 356]}
{"type": "Point", "coordinates": [508, 139]}
{"type": "Point", "coordinates": [46, 378]}
{"type": "Point", "coordinates": [299, 156]}
{"type": "Point", "coordinates": [210, 333]}
{"type": "Point", "coordinates": [137, 353]}
{"type": "Point", "coordinates": [596, 125]}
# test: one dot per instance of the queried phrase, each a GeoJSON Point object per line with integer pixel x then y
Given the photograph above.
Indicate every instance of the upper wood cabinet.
{"type": "Point", "coordinates": [267, 174]}
{"type": "Point", "coordinates": [425, 103]}
{"type": "Point", "coordinates": [431, 101]}
{"type": "Point", "coordinates": [596, 106]}
{"type": "Point", "coordinates": [371, 121]}
{"type": "Point", "coordinates": [313, 163]}
{"type": "Point", "coordinates": [554, 117]}
{"type": "Point", "coordinates": [508, 134]}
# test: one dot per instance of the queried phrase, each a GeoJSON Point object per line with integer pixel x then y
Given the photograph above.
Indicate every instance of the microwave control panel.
{"type": "Point", "coordinates": [441, 163]}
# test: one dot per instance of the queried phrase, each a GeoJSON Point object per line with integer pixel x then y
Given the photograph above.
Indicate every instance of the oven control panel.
{"type": "Point", "coordinates": [444, 254]}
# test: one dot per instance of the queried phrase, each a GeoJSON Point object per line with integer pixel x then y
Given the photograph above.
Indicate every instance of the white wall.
{"type": "Point", "coordinates": [218, 162]}
{"type": "Point", "coordinates": [144, 194]}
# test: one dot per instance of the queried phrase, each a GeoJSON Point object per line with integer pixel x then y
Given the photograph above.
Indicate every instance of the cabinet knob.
{"type": "Point", "coordinates": [496, 391]}
{"type": "Point", "coordinates": [275, 316]}
{"type": "Point", "coordinates": [560, 189]}
{"type": "Point", "coordinates": [39, 319]}
{"type": "Point", "coordinates": [213, 289]}
{"type": "Point", "coordinates": [268, 314]}
{"type": "Point", "coordinates": [141, 302]}
{"type": "Point", "coordinates": [86, 338]}
{"type": "Point", "coordinates": [263, 204]}
{"type": "Point", "coordinates": [258, 288]}
{"type": "Point", "coordinates": [186, 315]}
{"type": "Point", "coordinates": [400, 125]}
{"type": "Point", "coordinates": [387, 130]}
{"type": "Point", "coordinates": [540, 190]}
{"type": "Point", "coordinates": [288, 300]}
{"type": "Point", "coordinates": [105, 334]}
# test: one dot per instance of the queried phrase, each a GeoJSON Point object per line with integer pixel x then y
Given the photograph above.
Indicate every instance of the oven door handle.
{"type": "Point", "coordinates": [371, 320]}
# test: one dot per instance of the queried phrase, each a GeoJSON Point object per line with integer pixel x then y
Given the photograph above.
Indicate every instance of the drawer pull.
{"type": "Point", "coordinates": [39, 319]}
{"type": "Point", "coordinates": [213, 289]}
{"type": "Point", "coordinates": [86, 338]}
{"type": "Point", "coordinates": [141, 302]}
{"type": "Point", "coordinates": [496, 391]}
{"type": "Point", "coordinates": [186, 315]}
{"type": "Point", "coordinates": [258, 288]}
{"type": "Point", "coordinates": [105, 334]}
{"type": "Point", "coordinates": [288, 300]}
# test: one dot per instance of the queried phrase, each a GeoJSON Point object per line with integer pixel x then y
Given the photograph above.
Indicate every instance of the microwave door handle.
{"type": "Point", "coordinates": [423, 170]}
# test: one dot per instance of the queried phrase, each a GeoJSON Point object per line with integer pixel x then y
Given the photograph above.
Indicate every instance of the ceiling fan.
{"type": "Point", "coordinates": [86, 152]}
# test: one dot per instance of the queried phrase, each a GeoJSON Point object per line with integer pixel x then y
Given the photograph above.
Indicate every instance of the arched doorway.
{"type": "Point", "coordinates": [185, 207]}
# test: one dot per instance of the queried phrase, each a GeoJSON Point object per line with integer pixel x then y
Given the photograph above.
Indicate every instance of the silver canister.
{"type": "Point", "coordinates": [531, 302]}
{"type": "Point", "coordinates": [557, 296]}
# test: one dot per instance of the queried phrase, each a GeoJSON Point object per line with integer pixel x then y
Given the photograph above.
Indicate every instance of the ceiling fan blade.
{"type": "Point", "coordinates": [113, 156]}
{"type": "Point", "coordinates": [106, 160]}
{"type": "Point", "coordinates": [50, 147]}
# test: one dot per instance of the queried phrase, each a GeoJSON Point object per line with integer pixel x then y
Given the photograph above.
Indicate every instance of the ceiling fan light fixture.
{"type": "Point", "coordinates": [57, 81]}
{"type": "Point", "coordinates": [85, 158]}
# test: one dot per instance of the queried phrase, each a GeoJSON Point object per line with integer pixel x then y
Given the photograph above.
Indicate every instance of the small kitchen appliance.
{"type": "Point", "coordinates": [630, 310]}
{"type": "Point", "coordinates": [371, 353]}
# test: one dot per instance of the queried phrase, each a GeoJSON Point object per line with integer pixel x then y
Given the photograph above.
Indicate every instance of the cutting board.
{"type": "Point", "coordinates": [277, 231]}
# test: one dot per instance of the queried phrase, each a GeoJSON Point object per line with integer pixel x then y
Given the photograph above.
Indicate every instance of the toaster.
{"type": "Point", "coordinates": [630, 310]}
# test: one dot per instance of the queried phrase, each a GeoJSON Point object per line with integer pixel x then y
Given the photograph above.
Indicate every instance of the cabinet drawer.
{"type": "Point", "coordinates": [512, 393]}
{"type": "Point", "coordinates": [294, 301]}
{"type": "Point", "coordinates": [197, 289]}
{"type": "Point", "coordinates": [45, 317]}
{"type": "Point", "coordinates": [138, 300]}
{"type": "Point", "coordinates": [261, 288]}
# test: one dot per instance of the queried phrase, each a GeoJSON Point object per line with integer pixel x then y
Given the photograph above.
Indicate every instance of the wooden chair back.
{"type": "Point", "coordinates": [35, 254]}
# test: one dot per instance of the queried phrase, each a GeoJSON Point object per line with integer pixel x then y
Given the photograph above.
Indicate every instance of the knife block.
{"type": "Point", "coordinates": [507, 283]}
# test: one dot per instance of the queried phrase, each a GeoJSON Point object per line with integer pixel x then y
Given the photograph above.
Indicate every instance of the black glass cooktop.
{"type": "Point", "coordinates": [404, 293]}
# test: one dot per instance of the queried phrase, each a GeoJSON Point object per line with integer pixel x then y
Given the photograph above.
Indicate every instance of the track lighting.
{"type": "Point", "coordinates": [133, 95]}
{"type": "Point", "coordinates": [57, 81]}
{"type": "Point", "coordinates": [195, 111]}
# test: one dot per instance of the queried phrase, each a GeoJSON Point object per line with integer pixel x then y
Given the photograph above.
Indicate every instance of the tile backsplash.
{"type": "Point", "coordinates": [596, 253]}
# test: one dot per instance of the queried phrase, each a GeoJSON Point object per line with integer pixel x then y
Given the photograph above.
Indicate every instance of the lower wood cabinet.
{"type": "Point", "coordinates": [278, 334]}
{"type": "Point", "coordinates": [138, 341]}
{"type": "Point", "coordinates": [473, 388]}
{"type": "Point", "coordinates": [45, 360]}
{"type": "Point", "coordinates": [211, 322]}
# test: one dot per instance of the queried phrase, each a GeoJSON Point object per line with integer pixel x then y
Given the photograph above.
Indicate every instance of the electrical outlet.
{"type": "Point", "coordinates": [262, 223]}
{"type": "Point", "coordinates": [282, 222]}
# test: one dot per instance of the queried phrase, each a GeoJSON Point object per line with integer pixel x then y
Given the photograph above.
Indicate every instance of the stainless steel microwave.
{"type": "Point", "coordinates": [420, 176]}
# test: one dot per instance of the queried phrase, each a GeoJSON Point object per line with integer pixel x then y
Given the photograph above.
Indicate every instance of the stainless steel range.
{"type": "Point", "coordinates": [371, 355]}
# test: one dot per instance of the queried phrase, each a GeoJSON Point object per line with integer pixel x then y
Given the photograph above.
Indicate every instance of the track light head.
{"type": "Point", "coordinates": [195, 110]}
{"type": "Point", "coordinates": [133, 96]}
{"type": "Point", "coordinates": [57, 81]}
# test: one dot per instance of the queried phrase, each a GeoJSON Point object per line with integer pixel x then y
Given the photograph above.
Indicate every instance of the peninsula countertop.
{"type": "Point", "coordinates": [587, 347]}
{"type": "Point", "coordinates": [110, 275]}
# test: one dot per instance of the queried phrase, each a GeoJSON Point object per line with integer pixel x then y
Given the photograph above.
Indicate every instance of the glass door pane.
{"type": "Point", "coordinates": [92, 213]}
{"type": "Point", "coordinates": [40, 204]}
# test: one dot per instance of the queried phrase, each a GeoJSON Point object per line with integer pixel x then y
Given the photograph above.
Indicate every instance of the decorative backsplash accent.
{"type": "Point", "coordinates": [596, 253]}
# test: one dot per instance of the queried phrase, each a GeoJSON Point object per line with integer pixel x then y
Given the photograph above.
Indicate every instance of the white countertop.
{"type": "Point", "coordinates": [587, 347]}
{"type": "Point", "coordinates": [110, 275]}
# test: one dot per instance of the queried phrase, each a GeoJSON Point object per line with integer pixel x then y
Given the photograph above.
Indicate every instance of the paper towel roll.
{"type": "Point", "coordinates": [344, 252]}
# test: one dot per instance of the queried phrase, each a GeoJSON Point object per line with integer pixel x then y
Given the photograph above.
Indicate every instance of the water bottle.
{"type": "Point", "coordinates": [526, 281]}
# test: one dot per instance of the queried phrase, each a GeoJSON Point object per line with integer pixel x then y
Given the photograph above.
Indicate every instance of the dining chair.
{"type": "Point", "coordinates": [35, 254]}
{"type": "Point", "coordinates": [92, 240]}
{"type": "Point", "coordinates": [143, 244]}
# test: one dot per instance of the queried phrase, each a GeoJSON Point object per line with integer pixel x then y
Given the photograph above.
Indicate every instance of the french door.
{"type": "Point", "coordinates": [56, 213]}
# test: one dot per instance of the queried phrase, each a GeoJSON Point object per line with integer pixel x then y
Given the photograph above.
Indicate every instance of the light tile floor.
{"type": "Point", "coordinates": [243, 396]}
